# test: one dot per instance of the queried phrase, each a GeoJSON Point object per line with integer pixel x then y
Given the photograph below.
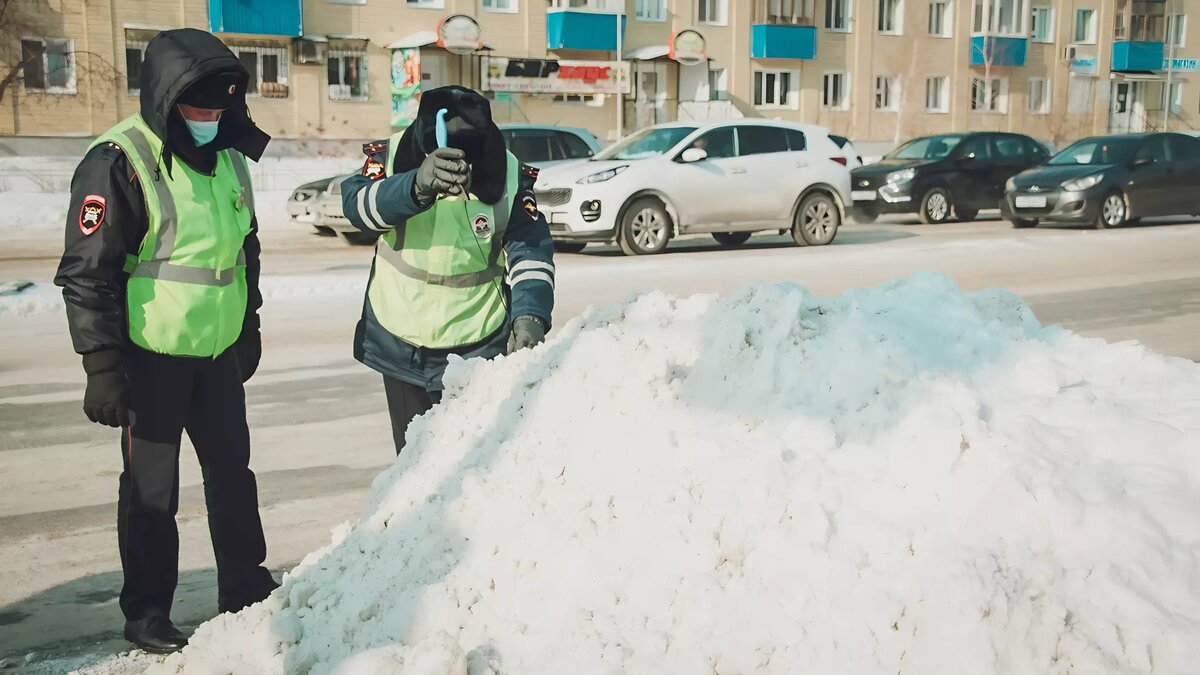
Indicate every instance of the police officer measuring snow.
{"type": "Point", "coordinates": [160, 277]}
{"type": "Point", "coordinates": [465, 264]}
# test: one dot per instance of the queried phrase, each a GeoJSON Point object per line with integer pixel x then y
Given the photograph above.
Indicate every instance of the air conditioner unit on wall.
{"type": "Point", "coordinates": [1070, 52]}
{"type": "Point", "coordinates": [307, 51]}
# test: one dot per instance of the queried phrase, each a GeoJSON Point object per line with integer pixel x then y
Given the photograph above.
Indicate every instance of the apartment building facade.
{"type": "Point", "coordinates": [873, 70]}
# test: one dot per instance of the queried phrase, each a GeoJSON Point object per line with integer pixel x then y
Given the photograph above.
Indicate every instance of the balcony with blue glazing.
{"type": "Point", "coordinates": [592, 25]}
{"type": "Point", "coordinates": [783, 30]}
{"type": "Point", "coordinates": [998, 51]}
{"type": "Point", "coordinates": [256, 17]}
{"type": "Point", "coordinates": [1139, 36]}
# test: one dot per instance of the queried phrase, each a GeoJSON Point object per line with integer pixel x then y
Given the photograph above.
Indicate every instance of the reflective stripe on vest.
{"type": "Point", "coordinates": [187, 293]}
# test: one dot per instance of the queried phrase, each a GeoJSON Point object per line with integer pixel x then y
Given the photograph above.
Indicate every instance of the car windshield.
{"type": "Point", "coordinates": [647, 143]}
{"type": "Point", "coordinates": [933, 147]}
{"type": "Point", "coordinates": [1097, 151]}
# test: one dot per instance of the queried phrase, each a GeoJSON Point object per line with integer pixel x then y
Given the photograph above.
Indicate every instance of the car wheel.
{"type": "Point", "coordinates": [569, 246]}
{"type": "Point", "coordinates": [817, 220]}
{"type": "Point", "coordinates": [1113, 211]}
{"type": "Point", "coordinates": [864, 217]}
{"type": "Point", "coordinates": [359, 238]}
{"type": "Point", "coordinates": [935, 206]}
{"type": "Point", "coordinates": [1023, 223]}
{"type": "Point", "coordinates": [645, 229]}
{"type": "Point", "coordinates": [731, 239]}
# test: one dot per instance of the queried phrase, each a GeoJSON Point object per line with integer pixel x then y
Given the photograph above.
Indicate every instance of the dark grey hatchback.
{"type": "Point", "coordinates": [1109, 181]}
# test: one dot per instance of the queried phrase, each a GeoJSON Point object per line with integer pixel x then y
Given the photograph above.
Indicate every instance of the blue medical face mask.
{"type": "Point", "coordinates": [202, 132]}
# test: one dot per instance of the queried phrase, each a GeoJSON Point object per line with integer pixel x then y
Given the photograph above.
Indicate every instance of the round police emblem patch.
{"type": "Point", "coordinates": [91, 214]}
{"type": "Point", "coordinates": [482, 225]}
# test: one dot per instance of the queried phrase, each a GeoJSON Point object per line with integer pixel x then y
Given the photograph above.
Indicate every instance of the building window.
{"type": "Point", "coordinates": [135, 52]}
{"type": "Point", "coordinates": [1041, 27]}
{"type": "Point", "coordinates": [837, 15]}
{"type": "Point", "coordinates": [784, 12]}
{"type": "Point", "coordinates": [1039, 96]}
{"type": "Point", "coordinates": [775, 88]}
{"type": "Point", "coordinates": [509, 6]}
{"type": "Point", "coordinates": [268, 68]}
{"type": "Point", "coordinates": [937, 94]}
{"type": "Point", "coordinates": [941, 19]}
{"type": "Point", "coordinates": [347, 74]}
{"type": "Point", "coordinates": [1173, 100]}
{"type": "Point", "coordinates": [651, 10]}
{"type": "Point", "coordinates": [989, 95]}
{"type": "Point", "coordinates": [426, 4]}
{"type": "Point", "coordinates": [1085, 26]}
{"type": "Point", "coordinates": [49, 65]}
{"type": "Point", "coordinates": [887, 93]}
{"type": "Point", "coordinates": [891, 20]}
{"type": "Point", "coordinates": [718, 84]}
{"type": "Point", "coordinates": [1177, 30]}
{"type": "Point", "coordinates": [714, 12]}
{"type": "Point", "coordinates": [999, 17]}
{"type": "Point", "coordinates": [1081, 95]}
{"type": "Point", "coordinates": [837, 91]}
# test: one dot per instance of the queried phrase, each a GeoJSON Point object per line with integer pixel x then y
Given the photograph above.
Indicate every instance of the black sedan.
{"type": "Point", "coordinates": [937, 175]}
{"type": "Point", "coordinates": [1109, 181]}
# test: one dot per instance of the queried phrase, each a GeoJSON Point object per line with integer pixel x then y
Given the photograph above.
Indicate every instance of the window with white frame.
{"type": "Point", "coordinates": [1085, 26]}
{"type": "Point", "coordinates": [836, 91]}
{"type": "Point", "coordinates": [1081, 94]}
{"type": "Point", "coordinates": [268, 69]}
{"type": "Point", "coordinates": [715, 12]}
{"type": "Point", "coordinates": [718, 84]}
{"type": "Point", "coordinates": [1172, 97]}
{"type": "Point", "coordinates": [135, 53]}
{"type": "Point", "coordinates": [651, 10]}
{"type": "Point", "coordinates": [776, 88]}
{"type": "Point", "coordinates": [887, 92]}
{"type": "Point", "coordinates": [937, 94]}
{"type": "Point", "coordinates": [347, 70]}
{"type": "Point", "coordinates": [989, 95]}
{"type": "Point", "coordinates": [1177, 30]}
{"type": "Point", "coordinates": [1041, 24]}
{"type": "Point", "coordinates": [891, 17]}
{"type": "Point", "coordinates": [426, 4]}
{"type": "Point", "coordinates": [1039, 96]}
{"type": "Point", "coordinates": [941, 18]}
{"type": "Point", "coordinates": [508, 6]}
{"type": "Point", "coordinates": [999, 17]}
{"type": "Point", "coordinates": [48, 65]}
{"type": "Point", "coordinates": [784, 12]}
{"type": "Point", "coordinates": [837, 15]}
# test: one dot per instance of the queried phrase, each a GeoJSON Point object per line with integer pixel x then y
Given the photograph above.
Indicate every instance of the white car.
{"type": "Point", "coordinates": [728, 180]}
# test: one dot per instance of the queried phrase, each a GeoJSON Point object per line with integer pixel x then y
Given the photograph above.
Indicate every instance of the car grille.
{"type": "Point", "coordinates": [555, 197]}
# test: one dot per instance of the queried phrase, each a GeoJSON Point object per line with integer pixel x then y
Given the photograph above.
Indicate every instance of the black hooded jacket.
{"type": "Point", "coordinates": [91, 272]}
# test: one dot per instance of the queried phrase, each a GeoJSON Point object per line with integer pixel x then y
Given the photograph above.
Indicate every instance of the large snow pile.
{"type": "Point", "coordinates": [906, 479]}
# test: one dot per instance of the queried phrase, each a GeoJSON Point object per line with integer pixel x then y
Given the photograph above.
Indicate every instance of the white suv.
{"type": "Point", "coordinates": [728, 180]}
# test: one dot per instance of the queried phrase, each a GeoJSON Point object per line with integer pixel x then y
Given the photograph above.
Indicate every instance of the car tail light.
{"type": "Point", "coordinates": [840, 160]}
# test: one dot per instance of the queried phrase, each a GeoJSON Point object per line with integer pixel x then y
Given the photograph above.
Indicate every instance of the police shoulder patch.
{"type": "Point", "coordinates": [373, 169]}
{"type": "Point", "coordinates": [91, 214]}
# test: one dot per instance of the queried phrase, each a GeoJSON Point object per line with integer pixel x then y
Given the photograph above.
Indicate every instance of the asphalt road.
{"type": "Point", "coordinates": [319, 422]}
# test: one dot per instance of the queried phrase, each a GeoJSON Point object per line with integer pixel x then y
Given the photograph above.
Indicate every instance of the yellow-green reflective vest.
{"type": "Point", "coordinates": [437, 279]}
{"type": "Point", "coordinates": [186, 294]}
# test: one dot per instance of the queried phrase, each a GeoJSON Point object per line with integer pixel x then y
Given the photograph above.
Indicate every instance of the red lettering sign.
{"type": "Point", "coordinates": [589, 74]}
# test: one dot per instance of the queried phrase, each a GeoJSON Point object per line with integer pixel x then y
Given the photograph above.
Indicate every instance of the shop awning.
{"type": "Point", "coordinates": [1139, 77]}
{"type": "Point", "coordinates": [422, 38]}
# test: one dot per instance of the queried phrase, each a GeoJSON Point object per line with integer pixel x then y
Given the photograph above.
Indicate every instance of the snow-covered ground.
{"type": "Point", "coordinates": [902, 479]}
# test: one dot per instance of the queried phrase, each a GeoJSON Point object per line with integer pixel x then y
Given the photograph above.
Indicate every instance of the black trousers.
{"type": "Point", "coordinates": [204, 396]}
{"type": "Point", "coordinates": [405, 402]}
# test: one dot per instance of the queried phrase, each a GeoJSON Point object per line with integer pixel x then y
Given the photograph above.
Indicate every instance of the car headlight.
{"type": "Point", "coordinates": [602, 176]}
{"type": "Point", "coordinates": [1085, 183]}
{"type": "Point", "coordinates": [901, 176]}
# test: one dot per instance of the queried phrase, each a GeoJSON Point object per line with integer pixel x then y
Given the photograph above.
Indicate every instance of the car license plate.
{"type": "Point", "coordinates": [863, 195]}
{"type": "Point", "coordinates": [1031, 202]}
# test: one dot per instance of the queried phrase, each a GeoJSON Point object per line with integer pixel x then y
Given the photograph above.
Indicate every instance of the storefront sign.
{"type": "Point", "coordinates": [688, 47]}
{"type": "Point", "coordinates": [459, 34]}
{"type": "Point", "coordinates": [1181, 65]}
{"type": "Point", "coordinates": [544, 76]}
{"type": "Point", "coordinates": [406, 86]}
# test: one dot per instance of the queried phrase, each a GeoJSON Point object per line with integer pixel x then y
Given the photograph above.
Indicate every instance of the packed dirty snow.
{"type": "Point", "coordinates": [905, 479]}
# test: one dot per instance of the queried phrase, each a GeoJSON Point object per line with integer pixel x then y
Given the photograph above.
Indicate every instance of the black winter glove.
{"type": "Point", "coordinates": [527, 333]}
{"type": "Point", "coordinates": [444, 171]}
{"type": "Point", "coordinates": [106, 400]}
{"type": "Point", "coordinates": [248, 348]}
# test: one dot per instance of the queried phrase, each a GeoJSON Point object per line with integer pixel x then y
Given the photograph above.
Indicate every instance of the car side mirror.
{"type": "Point", "coordinates": [692, 155]}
